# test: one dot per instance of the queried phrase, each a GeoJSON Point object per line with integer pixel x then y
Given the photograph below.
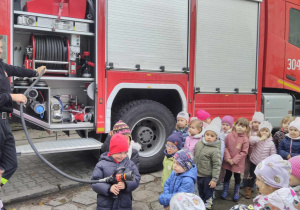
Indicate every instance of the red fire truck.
{"type": "Point", "coordinates": [145, 61]}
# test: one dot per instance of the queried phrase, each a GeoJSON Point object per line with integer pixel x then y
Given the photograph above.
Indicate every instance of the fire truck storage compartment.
{"type": "Point", "coordinates": [227, 46]}
{"type": "Point", "coordinates": [147, 35]}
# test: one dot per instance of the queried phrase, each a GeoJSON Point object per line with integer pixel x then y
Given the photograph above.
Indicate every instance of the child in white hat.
{"type": "Point", "coordinates": [290, 145]}
{"type": "Point", "coordinates": [182, 125]}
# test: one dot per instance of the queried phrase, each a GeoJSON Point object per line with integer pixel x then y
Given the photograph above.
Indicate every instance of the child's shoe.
{"type": "Point", "coordinates": [248, 192]}
{"type": "Point", "coordinates": [236, 195]}
{"type": "Point", "coordinates": [243, 184]}
{"type": "Point", "coordinates": [220, 186]}
{"type": "Point", "coordinates": [225, 191]}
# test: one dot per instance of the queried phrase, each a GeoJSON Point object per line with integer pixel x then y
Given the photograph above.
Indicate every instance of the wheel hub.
{"type": "Point", "coordinates": [145, 135]}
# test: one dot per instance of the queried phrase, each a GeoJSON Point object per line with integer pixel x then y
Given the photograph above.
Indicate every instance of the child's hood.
{"type": "Point", "coordinates": [199, 135]}
{"type": "Point", "coordinates": [289, 138]}
{"type": "Point", "coordinates": [192, 173]}
{"type": "Point", "coordinates": [183, 130]}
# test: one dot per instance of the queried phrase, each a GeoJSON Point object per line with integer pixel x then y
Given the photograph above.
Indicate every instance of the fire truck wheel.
{"type": "Point", "coordinates": [150, 123]}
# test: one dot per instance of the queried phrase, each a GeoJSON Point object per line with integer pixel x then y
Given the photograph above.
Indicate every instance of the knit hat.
{"type": "Point", "coordinates": [295, 123]}
{"type": "Point", "coordinates": [176, 138]}
{"type": "Point", "coordinates": [185, 158]}
{"type": "Point", "coordinates": [183, 115]}
{"type": "Point", "coordinates": [295, 163]}
{"type": "Point", "coordinates": [274, 171]}
{"type": "Point", "coordinates": [186, 201]}
{"type": "Point", "coordinates": [258, 116]}
{"type": "Point", "coordinates": [202, 115]}
{"type": "Point", "coordinates": [215, 126]}
{"type": "Point", "coordinates": [266, 124]}
{"type": "Point", "coordinates": [121, 128]}
{"type": "Point", "coordinates": [228, 119]}
{"type": "Point", "coordinates": [242, 207]}
{"type": "Point", "coordinates": [193, 118]}
{"type": "Point", "coordinates": [118, 143]}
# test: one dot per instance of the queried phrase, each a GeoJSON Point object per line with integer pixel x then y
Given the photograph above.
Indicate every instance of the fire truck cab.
{"type": "Point", "coordinates": [145, 61]}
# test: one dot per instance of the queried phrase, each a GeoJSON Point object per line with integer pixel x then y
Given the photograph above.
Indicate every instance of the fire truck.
{"type": "Point", "coordinates": [145, 61]}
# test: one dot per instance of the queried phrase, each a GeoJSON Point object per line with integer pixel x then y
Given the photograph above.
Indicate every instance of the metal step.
{"type": "Point", "coordinates": [59, 146]}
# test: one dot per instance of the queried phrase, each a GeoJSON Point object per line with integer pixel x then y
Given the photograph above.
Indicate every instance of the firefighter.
{"type": "Point", "coordinates": [8, 156]}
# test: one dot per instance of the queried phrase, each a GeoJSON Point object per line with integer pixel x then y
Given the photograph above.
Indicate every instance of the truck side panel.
{"type": "Point", "coordinates": [5, 10]}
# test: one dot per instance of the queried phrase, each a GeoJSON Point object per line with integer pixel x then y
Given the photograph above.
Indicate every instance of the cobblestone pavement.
{"type": "Point", "coordinates": [35, 186]}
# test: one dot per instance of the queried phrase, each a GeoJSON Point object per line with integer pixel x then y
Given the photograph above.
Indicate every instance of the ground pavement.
{"type": "Point", "coordinates": [35, 186]}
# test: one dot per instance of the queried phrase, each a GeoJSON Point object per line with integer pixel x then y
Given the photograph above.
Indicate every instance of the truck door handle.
{"type": "Point", "coordinates": [291, 78]}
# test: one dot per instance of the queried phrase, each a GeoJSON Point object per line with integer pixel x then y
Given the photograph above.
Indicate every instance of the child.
{"type": "Point", "coordinates": [204, 116]}
{"type": "Point", "coordinates": [290, 145]}
{"type": "Point", "coordinates": [236, 150]}
{"type": "Point", "coordinates": [295, 176]}
{"type": "Point", "coordinates": [174, 143]}
{"type": "Point", "coordinates": [195, 134]}
{"type": "Point", "coordinates": [182, 125]}
{"type": "Point", "coordinates": [208, 162]}
{"type": "Point", "coordinates": [182, 179]}
{"type": "Point", "coordinates": [227, 123]}
{"type": "Point", "coordinates": [263, 147]}
{"type": "Point", "coordinates": [186, 201]}
{"type": "Point", "coordinates": [272, 181]}
{"type": "Point", "coordinates": [279, 135]}
{"type": "Point", "coordinates": [108, 163]}
{"type": "Point", "coordinates": [122, 128]}
{"type": "Point", "coordinates": [257, 118]}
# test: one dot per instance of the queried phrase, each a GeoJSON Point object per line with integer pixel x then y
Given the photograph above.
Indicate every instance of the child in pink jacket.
{"type": "Point", "coordinates": [263, 147]}
{"type": "Point", "coordinates": [195, 135]}
{"type": "Point", "coordinates": [236, 150]}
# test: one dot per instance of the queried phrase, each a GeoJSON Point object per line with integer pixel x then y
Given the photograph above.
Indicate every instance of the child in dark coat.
{"type": "Point", "coordinates": [108, 163]}
{"type": "Point", "coordinates": [182, 125]}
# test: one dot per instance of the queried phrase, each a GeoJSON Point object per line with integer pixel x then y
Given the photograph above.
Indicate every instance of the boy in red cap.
{"type": "Point", "coordinates": [108, 163]}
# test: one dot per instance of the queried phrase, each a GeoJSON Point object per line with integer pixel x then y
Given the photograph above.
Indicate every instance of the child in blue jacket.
{"type": "Point", "coordinates": [108, 163]}
{"type": "Point", "coordinates": [182, 179]}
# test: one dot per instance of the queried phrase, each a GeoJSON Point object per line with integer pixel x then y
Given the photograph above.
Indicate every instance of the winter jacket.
{"type": "Point", "coordinates": [105, 168]}
{"type": "Point", "coordinates": [252, 133]}
{"type": "Point", "coordinates": [133, 150]}
{"type": "Point", "coordinates": [176, 183]}
{"type": "Point", "coordinates": [184, 132]}
{"type": "Point", "coordinates": [6, 103]}
{"type": "Point", "coordinates": [222, 138]}
{"type": "Point", "coordinates": [208, 159]}
{"type": "Point", "coordinates": [289, 146]}
{"type": "Point", "coordinates": [281, 199]}
{"type": "Point", "coordinates": [225, 133]}
{"type": "Point", "coordinates": [278, 137]}
{"type": "Point", "coordinates": [191, 141]}
{"type": "Point", "coordinates": [236, 148]}
{"type": "Point", "coordinates": [261, 149]}
{"type": "Point", "coordinates": [297, 191]}
{"type": "Point", "coordinates": [167, 169]}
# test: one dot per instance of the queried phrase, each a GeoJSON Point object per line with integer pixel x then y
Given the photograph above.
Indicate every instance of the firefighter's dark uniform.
{"type": "Point", "coordinates": [8, 156]}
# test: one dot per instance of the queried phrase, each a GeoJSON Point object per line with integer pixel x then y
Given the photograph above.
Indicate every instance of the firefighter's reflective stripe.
{"type": "Point", "coordinates": [3, 181]}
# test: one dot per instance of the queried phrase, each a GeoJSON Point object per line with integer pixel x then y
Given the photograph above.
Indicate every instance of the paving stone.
{"type": "Point", "coordinates": [140, 187]}
{"type": "Point", "coordinates": [66, 207]}
{"type": "Point", "coordinates": [85, 198]}
{"type": "Point", "coordinates": [146, 179]}
{"type": "Point", "coordinates": [36, 208]}
{"type": "Point", "coordinates": [154, 187]}
{"type": "Point", "coordinates": [156, 206]}
{"type": "Point", "coordinates": [145, 195]}
{"type": "Point", "coordinates": [157, 174]}
{"type": "Point", "coordinates": [57, 201]}
{"type": "Point", "coordinates": [139, 206]}
{"type": "Point", "coordinates": [92, 207]}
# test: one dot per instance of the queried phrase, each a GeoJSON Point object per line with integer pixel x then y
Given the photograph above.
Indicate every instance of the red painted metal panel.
{"type": "Point", "coordinates": [193, 27]}
{"type": "Point", "coordinates": [100, 68]}
{"type": "Point", "coordinates": [116, 77]}
{"type": "Point", "coordinates": [219, 105]}
{"type": "Point", "coordinates": [5, 7]}
{"type": "Point", "coordinates": [274, 43]}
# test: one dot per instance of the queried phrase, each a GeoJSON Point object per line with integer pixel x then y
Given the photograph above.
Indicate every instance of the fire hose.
{"type": "Point", "coordinates": [118, 176]}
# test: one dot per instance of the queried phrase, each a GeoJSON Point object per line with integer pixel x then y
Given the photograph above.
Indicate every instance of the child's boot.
{"type": "Point", "coordinates": [243, 184]}
{"type": "Point", "coordinates": [225, 191]}
{"type": "Point", "coordinates": [248, 192]}
{"type": "Point", "coordinates": [236, 194]}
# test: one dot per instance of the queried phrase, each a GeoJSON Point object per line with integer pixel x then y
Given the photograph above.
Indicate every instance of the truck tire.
{"type": "Point", "coordinates": [151, 123]}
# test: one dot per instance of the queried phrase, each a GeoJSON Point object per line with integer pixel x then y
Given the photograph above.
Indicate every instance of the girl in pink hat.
{"type": "Point", "coordinates": [204, 116]}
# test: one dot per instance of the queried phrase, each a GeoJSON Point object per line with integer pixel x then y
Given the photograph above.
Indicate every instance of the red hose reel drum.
{"type": "Point", "coordinates": [70, 8]}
